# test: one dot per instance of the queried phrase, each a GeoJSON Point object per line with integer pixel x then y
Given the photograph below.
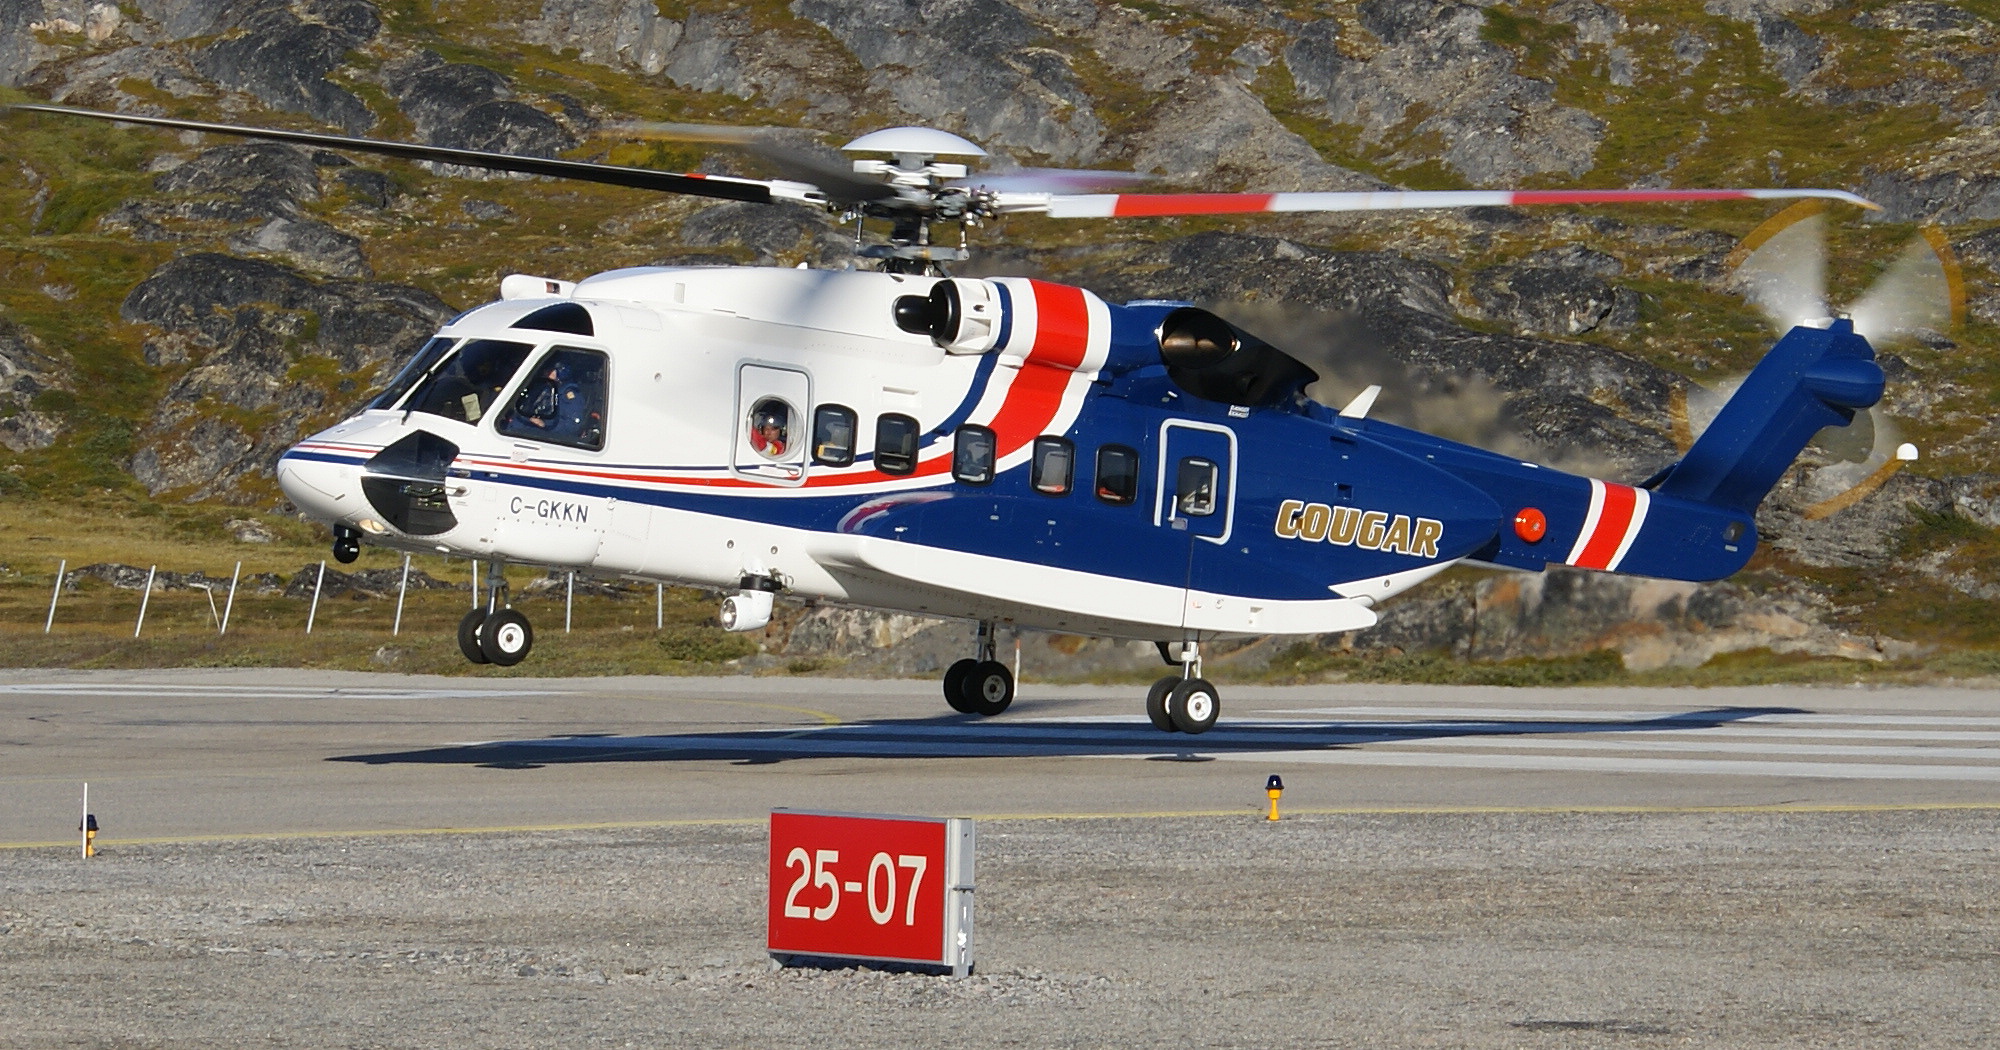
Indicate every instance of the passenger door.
{"type": "Point", "coordinates": [1195, 494]}
{"type": "Point", "coordinates": [772, 425]}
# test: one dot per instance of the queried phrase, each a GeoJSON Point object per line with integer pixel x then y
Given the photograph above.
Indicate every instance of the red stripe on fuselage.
{"type": "Point", "coordinates": [1139, 204]}
{"type": "Point", "coordinates": [1612, 522]}
{"type": "Point", "coordinates": [1062, 341]}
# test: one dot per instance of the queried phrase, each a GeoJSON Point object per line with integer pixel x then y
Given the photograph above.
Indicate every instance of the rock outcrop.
{"type": "Point", "coordinates": [250, 330]}
{"type": "Point", "coordinates": [1434, 84]}
{"type": "Point", "coordinates": [25, 372]}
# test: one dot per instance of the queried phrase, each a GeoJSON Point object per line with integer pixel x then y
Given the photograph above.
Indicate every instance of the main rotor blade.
{"type": "Point", "coordinates": [1921, 290]}
{"type": "Point", "coordinates": [840, 185]}
{"type": "Point", "coordinates": [1052, 180]}
{"type": "Point", "coordinates": [1120, 205]}
{"type": "Point", "coordinates": [695, 184]}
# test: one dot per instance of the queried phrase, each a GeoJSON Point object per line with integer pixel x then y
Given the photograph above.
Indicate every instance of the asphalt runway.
{"type": "Point", "coordinates": [300, 859]}
{"type": "Point", "coordinates": [174, 755]}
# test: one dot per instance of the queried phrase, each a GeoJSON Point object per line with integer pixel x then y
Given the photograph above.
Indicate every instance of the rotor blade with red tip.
{"type": "Point", "coordinates": [699, 185]}
{"type": "Point", "coordinates": [1121, 205]}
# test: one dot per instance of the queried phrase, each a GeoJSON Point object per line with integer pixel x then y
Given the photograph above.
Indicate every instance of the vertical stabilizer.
{"type": "Point", "coordinates": [1813, 378]}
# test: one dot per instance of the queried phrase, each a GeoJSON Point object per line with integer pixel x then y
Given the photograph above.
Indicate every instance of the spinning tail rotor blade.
{"type": "Point", "coordinates": [1781, 267]}
{"type": "Point", "coordinates": [695, 184]}
{"type": "Point", "coordinates": [1064, 206]}
{"type": "Point", "coordinates": [1921, 291]}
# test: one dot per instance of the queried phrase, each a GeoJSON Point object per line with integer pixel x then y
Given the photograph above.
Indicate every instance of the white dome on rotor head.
{"type": "Point", "coordinates": [912, 140]}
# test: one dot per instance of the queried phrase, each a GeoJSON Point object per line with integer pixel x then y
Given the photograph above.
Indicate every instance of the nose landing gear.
{"type": "Point", "coordinates": [493, 633]}
{"type": "Point", "coordinates": [1187, 702]}
{"type": "Point", "coordinates": [981, 685]}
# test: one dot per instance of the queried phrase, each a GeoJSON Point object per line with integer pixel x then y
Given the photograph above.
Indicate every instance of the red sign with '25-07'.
{"type": "Point", "coordinates": [894, 889]}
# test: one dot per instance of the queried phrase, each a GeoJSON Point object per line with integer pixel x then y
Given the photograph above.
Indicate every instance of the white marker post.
{"type": "Point", "coordinates": [230, 605]}
{"type": "Point", "coordinates": [313, 613]}
{"type": "Point", "coordinates": [401, 589]}
{"type": "Point", "coordinates": [475, 583]}
{"type": "Point", "coordinates": [569, 600]}
{"type": "Point", "coordinates": [145, 598]}
{"type": "Point", "coordinates": [83, 825]}
{"type": "Point", "coordinates": [659, 607]}
{"type": "Point", "coordinates": [61, 571]}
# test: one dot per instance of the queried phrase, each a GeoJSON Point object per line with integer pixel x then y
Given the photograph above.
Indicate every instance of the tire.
{"type": "Point", "coordinates": [468, 636]}
{"type": "Point", "coordinates": [989, 688]}
{"type": "Point", "coordinates": [1194, 705]}
{"type": "Point", "coordinates": [1156, 704]}
{"type": "Point", "coordinates": [955, 692]}
{"type": "Point", "coordinates": [506, 638]}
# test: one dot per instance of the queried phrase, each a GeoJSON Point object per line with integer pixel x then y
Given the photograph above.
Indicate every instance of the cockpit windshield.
{"type": "Point", "coordinates": [466, 386]}
{"type": "Point", "coordinates": [418, 366]}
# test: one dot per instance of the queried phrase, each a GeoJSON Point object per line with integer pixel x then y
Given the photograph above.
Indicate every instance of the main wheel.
{"type": "Point", "coordinates": [468, 636]}
{"type": "Point", "coordinates": [955, 691]}
{"type": "Point", "coordinates": [989, 688]}
{"type": "Point", "coordinates": [506, 638]}
{"type": "Point", "coordinates": [1156, 704]}
{"type": "Point", "coordinates": [1194, 705]}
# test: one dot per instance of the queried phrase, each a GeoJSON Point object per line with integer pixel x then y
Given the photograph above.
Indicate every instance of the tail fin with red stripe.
{"type": "Point", "coordinates": [1813, 378]}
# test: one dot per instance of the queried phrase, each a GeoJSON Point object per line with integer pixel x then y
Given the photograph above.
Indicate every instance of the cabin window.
{"type": "Point", "coordinates": [561, 402]}
{"type": "Point", "coordinates": [972, 455]}
{"type": "Point", "coordinates": [469, 382]}
{"type": "Point", "coordinates": [1194, 487]}
{"type": "Point", "coordinates": [895, 443]}
{"type": "Point", "coordinates": [421, 363]}
{"type": "Point", "coordinates": [1117, 474]}
{"type": "Point", "coordinates": [1054, 465]}
{"type": "Point", "coordinates": [833, 435]}
{"type": "Point", "coordinates": [770, 427]}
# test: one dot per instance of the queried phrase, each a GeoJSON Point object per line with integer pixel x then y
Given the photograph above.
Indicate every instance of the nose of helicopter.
{"type": "Point", "coordinates": [320, 484]}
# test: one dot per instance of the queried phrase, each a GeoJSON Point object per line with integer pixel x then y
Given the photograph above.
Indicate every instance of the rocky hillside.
{"type": "Point", "coordinates": [177, 309]}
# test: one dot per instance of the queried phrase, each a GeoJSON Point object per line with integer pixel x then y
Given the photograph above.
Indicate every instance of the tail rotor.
{"type": "Point", "coordinates": [1781, 269]}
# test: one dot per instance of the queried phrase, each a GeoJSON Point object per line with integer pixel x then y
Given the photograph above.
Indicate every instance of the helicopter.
{"type": "Point", "coordinates": [1010, 451]}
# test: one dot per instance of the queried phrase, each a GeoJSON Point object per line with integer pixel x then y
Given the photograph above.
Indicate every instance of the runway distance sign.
{"type": "Point", "coordinates": [871, 888]}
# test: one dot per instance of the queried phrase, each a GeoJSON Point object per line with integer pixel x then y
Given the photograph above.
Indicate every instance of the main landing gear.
{"type": "Point", "coordinates": [981, 685]}
{"type": "Point", "coordinates": [1187, 702]}
{"type": "Point", "coordinates": [494, 633]}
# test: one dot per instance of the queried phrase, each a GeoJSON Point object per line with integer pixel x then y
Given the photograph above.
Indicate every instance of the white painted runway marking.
{"type": "Point", "coordinates": [1601, 715]}
{"type": "Point", "coordinates": [275, 692]}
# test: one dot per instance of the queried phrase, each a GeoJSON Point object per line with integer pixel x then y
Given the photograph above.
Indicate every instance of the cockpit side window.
{"type": "Point", "coordinates": [561, 401]}
{"type": "Point", "coordinates": [465, 387]}
{"type": "Point", "coordinates": [419, 364]}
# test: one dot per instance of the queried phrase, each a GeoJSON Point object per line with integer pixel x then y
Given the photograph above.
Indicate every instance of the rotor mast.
{"type": "Point", "coordinates": [923, 196]}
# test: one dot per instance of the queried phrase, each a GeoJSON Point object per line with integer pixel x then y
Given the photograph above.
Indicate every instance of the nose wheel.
{"type": "Point", "coordinates": [981, 686]}
{"type": "Point", "coordinates": [494, 634]}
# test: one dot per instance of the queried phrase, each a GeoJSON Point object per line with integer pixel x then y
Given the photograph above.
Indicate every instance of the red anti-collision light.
{"type": "Point", "coordinates": [1530, 525]}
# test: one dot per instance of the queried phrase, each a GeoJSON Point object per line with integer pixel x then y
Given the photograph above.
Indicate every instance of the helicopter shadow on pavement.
{"type": "Point", "coordinates": [967, 736]}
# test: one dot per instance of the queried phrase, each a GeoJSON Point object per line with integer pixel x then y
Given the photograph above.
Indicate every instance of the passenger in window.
{"type": "Point", "coordinates": [770, 429]}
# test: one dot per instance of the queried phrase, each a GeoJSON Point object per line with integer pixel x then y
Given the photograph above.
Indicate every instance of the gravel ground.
{"type": "Point", "coordinates": [1482, 930]}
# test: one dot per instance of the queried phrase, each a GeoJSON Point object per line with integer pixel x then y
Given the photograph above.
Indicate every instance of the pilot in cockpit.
{"type": "Point", "coordinates": [554, 401]}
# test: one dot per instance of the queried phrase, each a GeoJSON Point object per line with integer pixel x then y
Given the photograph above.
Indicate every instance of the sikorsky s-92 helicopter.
{"type": "Point", "coordinates": [1004, 450]}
